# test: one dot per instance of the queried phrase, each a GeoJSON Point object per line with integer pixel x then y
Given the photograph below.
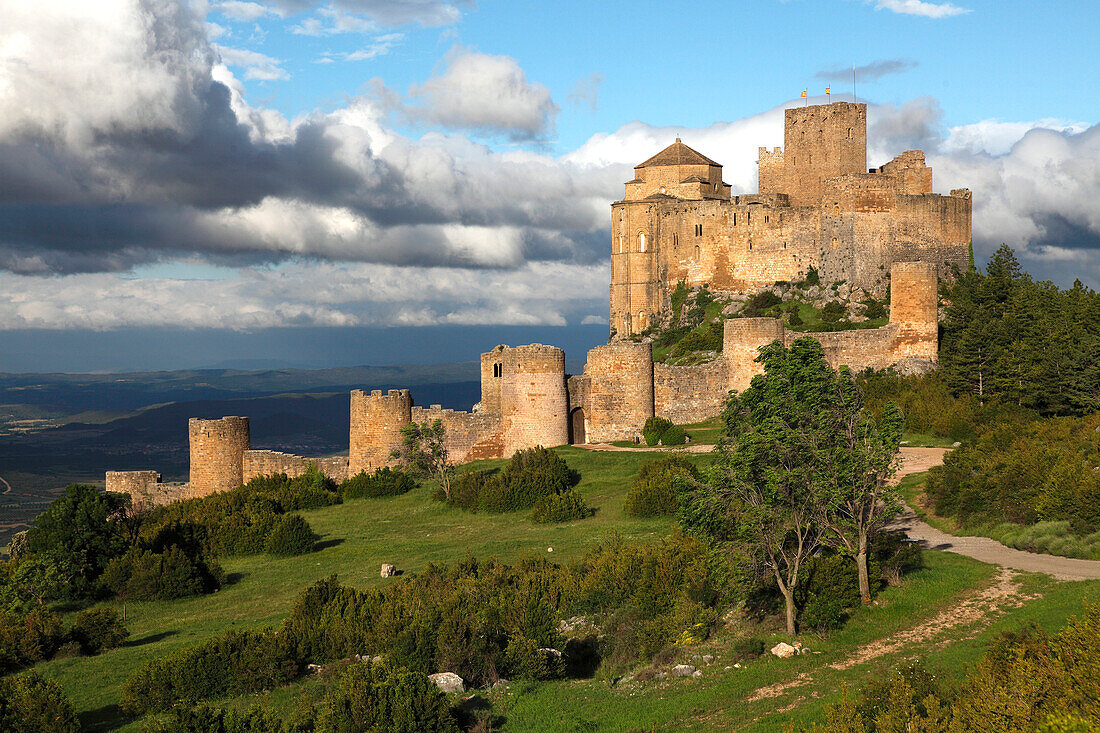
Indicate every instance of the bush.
{"type": "Point", "coordinates": [708, 338]}
{"type": "Point", "coordinates": [760, 304]}
{"type": "Point", "coordinates": [235, 663]}
{"type": "Point", "coordinates": [205, 719]}
{"type": "Point", "coordinates": [812, 278]}
{"type": "Point", "coordinates": [747, 649]}
{"type": "Point", "coordinates": [28, 639]}
{"type": "Point", "coordinates": [653, 491]}
{"type": "Point", "coordinates": [529, 477]}
{"type": "Point", "coordinates": [828, 587]}
{"type": "Point", "coordinates": [144, 575]}
{"type": "Point", "coordinates": [654, 429]}
{"type": "Point", "coordinates": [674, 436]}
{"type": "Point", "coordinates": [833, 312]}
{"type": "Point", "coordinates": [562, 507]}
{"type": "Point", "coordinates": [466, 488]}
{"type": "Point", "coordinates": [374, 697]}
{"type": "Point", "coordinates": [525, 660]}
{"type": "Point", "coordinates": [383, 482]}
{"type": "Point", "coordinates": [31, 704]}
{"type": "Point", "coordinates": [97, 629]}
{"type": "Point", "coordinates": [291, 536]}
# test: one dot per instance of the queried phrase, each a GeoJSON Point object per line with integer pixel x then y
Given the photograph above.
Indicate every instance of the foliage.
{"type": "Point", "coordinates": [704, 338]}
{"type": "Point", "coordinates": [829, 590]}
{"type": "Point", "coordinates": [806, 461]}
{"type": "Point", "coordinates": [29, 638]}
{"type": "Point", "coordinates": [1027, 681]}
{"type": "Point", "coordinates": [292, 535]}
{"type": "Point", "coordinates": [654, 490]}
{"type": "Point", "coordinates": [424, 452]}
{"type": "Point", "coordinates": [234, 663]}
{"type": "Point", "coordinates": [81, 531]}
{"type": "Point", "coordinates": [32, 704]}
{"type": "Point", "coordinates": [654, 429]}
{"type": "Point", "coordinates": [377, 698]}
{"type": "Point", "coordinates": [760, 303]}
{"type": "Point", "coordinates": [563, 507]}
{"type": "Point", "coordinates": [678, 297]}
{"type": "Point", "coordinates": [203, 719]}
{"type": "Point", "coordinates": [998, 332]}
{"type": "Point", "coordinates": [746, 649]}
{"type": "Point", "coordinates": [173, 572]}
{"type": "Point", "coordinates": [383, 482]}
{"type": "Point", "coordinates": [812, 279]}
{"type": "Point", "coordinates": [1055, 538]}
{"type": "Point", "coordinates": [96, 629]}
{"type": "Point", "coordinates": [1023, 472]}
{"type": "Point", "coordinates": [833, 311]}
{"type": "Point", "coordinates": [534, 477]}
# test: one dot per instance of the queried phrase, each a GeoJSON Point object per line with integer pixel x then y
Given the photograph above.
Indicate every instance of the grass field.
{"type": "Point", "coordinates": [412, 531]}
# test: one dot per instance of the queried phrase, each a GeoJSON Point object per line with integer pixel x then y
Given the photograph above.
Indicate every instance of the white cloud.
{"type": "Point", "coordinates": [483, 92]}
{"type": "Point", "coordinates": [329, 21]}
{"type": "Point", "coordinates": [306, 295]}
{"type": "Point", "coordinates": [381, 46]}
{"type": "Point", "coordinates": [996, 137]}
{"type": "Point", "coordinates": [586, 91]}
{"type": "Point", "coordinates": [244, 11]}
{"type": "Point", "coordinates": [256, 65]}
{"type": "Point", "coordinates": [920, 7]}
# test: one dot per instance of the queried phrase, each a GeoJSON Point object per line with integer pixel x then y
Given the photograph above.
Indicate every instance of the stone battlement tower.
{"type": "Point", "coordinates": [821, 142]}
{"type": "Point", "coordinates": [376, 423]}
{"type": "Point", "coordinates": [217, 452]}
{"type": "Point", "coordinates": [534, 404]}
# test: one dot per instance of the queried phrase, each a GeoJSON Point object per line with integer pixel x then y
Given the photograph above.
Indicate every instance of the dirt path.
{"type": "Point", "coordinates": [6, 484]}
{"type": "Point", "coordinates": [983, 549]}
{"type": "Point", "coordinates": [692, 448]}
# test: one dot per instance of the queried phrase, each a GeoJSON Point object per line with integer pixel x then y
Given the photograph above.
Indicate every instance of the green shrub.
{"type": "Point", "coordinates": [530, 476]}
{"type": "Point", "coordinates": [812, 278]}
{"type": "Point", "coordinates": [828, 588]}
{"type": "Point", "coordinates": [653, 491]}
{"type": "Point", "coordinates": [654, 429]}
{"type": "Point", "coordinates": [144, 575]}
{"type": "Point", "coordinates": [291, 536]}
{"type": "Point", "coordinates": [96, 629]}
{"type": "Point", "coordinates": [375, 697]}
{"type": "Point", "coordinates": [205, 719]}
{"type": "Point", "coordinates": [746, 649]}
{"type": "Point", "coordinates": [29, 638]}
{"type": "Point", "coordinates": [562, 507]}
{"type": "Point", "coordinates": [234, 663]}
{"type": "Point", "coordinates": [674, 436]}
{"type": "Point", "coordinates": [760, 304]}
{"type": "Point", "coordinates": [833, 312]}
{"type": "Point", "coordinates": [383, 482]}
{"type": "Point", "coordinates": [707, 338]}
{"type": "Point", "coordinates": [466, 488]}
{"type": "Point", "coordinates": [525, 660]}
{"type": "Point", "coordinates": [32, 704]}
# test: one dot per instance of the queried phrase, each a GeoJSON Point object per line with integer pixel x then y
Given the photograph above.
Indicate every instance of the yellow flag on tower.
{"type": "Point", "coordinates": [803, 95]}
{"type": "Point", "coordinates": [826, 91]}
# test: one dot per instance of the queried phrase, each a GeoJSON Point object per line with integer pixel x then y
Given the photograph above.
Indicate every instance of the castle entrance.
{"type": "Point", "coordinates": [576, 427]}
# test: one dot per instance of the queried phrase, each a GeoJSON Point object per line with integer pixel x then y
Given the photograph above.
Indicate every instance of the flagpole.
{"type": "Point", "coordinates": [853, 82]}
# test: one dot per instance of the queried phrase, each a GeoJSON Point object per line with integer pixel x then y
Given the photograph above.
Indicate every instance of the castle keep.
{"type": "Point", "coordinates": [818, 206]}
{"type": "Point", "coordinates": [678, 222]}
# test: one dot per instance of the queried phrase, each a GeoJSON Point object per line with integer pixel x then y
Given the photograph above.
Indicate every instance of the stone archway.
{"type": "Point", "coordinates": [576, 427]}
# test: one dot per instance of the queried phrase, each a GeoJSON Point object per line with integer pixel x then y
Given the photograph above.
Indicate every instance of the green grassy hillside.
{"type": "Point", "coordinates": [412, 530]}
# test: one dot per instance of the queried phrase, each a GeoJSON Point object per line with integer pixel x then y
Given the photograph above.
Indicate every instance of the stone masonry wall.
{"type": "Point", "coordinates": [687, 394]}
{"type": "Point", "coordinates": [145, 488]}
{"type": "Point", "coordinates": [468, 436]}
{"type": "Point", "coordinates": [376, 423]}
{"type": "Point", "coordinates": [620, 391]}
{"type": "Point", "coordinates": [267, 462]}
{"type": "Point", "coordinates": [217, 451]}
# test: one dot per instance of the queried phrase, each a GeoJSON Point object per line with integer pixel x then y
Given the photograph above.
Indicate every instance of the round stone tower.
{"type": "Point", "coordinates": [914, 306]}
{"type": "Point", "coordinates": [741, 342]}
{"type": "Point", "coordinates": [217, 451]}
{"type": "Point", "coordinates": [376, 423]}
{"type": "Point", "coordinates": [534, 401]}
{"type": "Point", "coordinates": [620, 396]}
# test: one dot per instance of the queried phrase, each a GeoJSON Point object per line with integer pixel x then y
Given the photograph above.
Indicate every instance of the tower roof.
{"type": "Point", "coordinates": [678, 154]}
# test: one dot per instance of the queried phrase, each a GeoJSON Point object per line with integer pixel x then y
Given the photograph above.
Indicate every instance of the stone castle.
{"type": "Point", "coordinates": [818, 206]}
{"type": "Point", "coordinates": [681, 224]}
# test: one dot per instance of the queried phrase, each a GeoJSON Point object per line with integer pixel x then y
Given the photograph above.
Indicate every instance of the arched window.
{"type": "Point", "coordinates": [697, 253]}
{"type": "Point", "coordinates": [641, 241]}
{"type": "Point", "coordinates": [641, 321]}
{"type": "Point", "coordinates": [849, 133]}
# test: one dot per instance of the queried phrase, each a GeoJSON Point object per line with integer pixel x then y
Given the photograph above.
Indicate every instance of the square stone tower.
{"type": "Point", "coordinates": [819, 142]}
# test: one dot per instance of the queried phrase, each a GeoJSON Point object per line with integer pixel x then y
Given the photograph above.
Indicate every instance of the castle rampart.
{"type": "Point", "coordinates": [376, 423]}
{"type": "Point", "coordinates": [217, 452]}
{"type": "Point", "coordinates": [467, 436]}
{"type": "Point", "coordinates": [257, 463]}
{"type": "Point", "coordinates": [687, 394]}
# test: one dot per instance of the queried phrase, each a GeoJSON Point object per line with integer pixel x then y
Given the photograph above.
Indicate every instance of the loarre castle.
{"type": "Point", "coordinates": [677, 222]}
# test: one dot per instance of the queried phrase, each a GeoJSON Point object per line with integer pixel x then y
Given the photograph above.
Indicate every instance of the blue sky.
{"type": "Point", "coordinates": [254, 166]}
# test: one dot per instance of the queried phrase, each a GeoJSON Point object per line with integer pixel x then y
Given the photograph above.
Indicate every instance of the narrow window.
{"type": "Point", "coordinates": [641, 241]}
{"type": "Point", "coordinates": [620, 243]}
{"type": "Point", "coordinates": [675, 240]}
{"type": "Point", "coordinates": [696, 253]}
{"type": "Point", "coordinates": [735, 218]}
{"type": "Point", "coordinates": [498, 370]}
{"type": "Point", "coordinates": [765, 218]}
{"type": "Point", "coordinates": [749, 215]}
{"type": "Point", "coordinates": [849, 133]}
{"type": "Point", "coordinates": [750, 246]}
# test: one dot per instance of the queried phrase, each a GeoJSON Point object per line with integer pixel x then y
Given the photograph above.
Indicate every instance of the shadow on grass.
{"type": "Point", "coordinates": [233, 579]}
{"type": "Point", "coordinates": [328, 543]}
{"type": "Point", "coordinates": [476, 710]}
{"type": "Point", "coordinates": [108, 717]}
{"type": "Point", "coordinates": [149, 639]}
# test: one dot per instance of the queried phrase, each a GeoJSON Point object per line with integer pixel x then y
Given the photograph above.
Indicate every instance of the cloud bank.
{"type": "Point", "coordinates": [126, 139]}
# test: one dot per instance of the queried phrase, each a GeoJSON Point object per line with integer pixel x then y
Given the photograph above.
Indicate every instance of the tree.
{"type": "Point", "coordinates": [768, 478]}
{"type": "Point", "coordinates": [858, 459]}
{"type": "Point", "coordinates": [425, 453]}
{"type": "Point", "coordinates": [81, 531]}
